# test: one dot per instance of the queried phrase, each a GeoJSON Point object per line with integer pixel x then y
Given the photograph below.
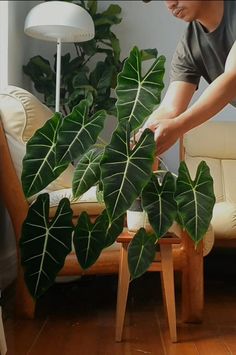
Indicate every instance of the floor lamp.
{"type": "Point", "coordinates": [59, 21]}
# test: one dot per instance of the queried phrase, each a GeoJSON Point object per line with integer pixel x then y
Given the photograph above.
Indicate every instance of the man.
{"type": "Point", "coordinates": [207, 49]}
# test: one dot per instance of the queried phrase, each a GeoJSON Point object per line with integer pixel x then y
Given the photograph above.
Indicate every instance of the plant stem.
{"type": "Point", "coordinates": [87, 60]}
{"type": "Point", "coordinates": [102, 141]}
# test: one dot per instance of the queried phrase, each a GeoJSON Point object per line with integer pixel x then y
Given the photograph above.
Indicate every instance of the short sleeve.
{"type": "Point", "coordinates": [183, 64]}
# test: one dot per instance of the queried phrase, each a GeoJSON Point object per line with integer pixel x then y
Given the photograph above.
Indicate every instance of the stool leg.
{"type": "Point", "coordinates": [123, 287]}
{"type": "Point", "coordinates": [169, 290]}
{"type": "Point", "coordinates": [3, 345]}
{"type": "Point", "coordinates": [192, 282]}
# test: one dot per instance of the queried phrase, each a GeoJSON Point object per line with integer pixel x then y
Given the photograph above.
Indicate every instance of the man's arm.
{"type": "Point", "coordinates": [218, 94]}
{"type": "Point", "coordinates": [176, 101]}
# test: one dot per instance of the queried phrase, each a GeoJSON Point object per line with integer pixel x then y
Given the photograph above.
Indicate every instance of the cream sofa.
{"type": "Point", "coordinates": [215, 142]}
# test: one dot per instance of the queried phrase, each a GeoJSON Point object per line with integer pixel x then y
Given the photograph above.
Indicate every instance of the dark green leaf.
{"type": "Point", "coordinates": [112, 10]}
{"type": "Point", "coordinates": [89, 238]}
{"type": "Point", "coordinates": [124, 171]}
{"type": "Point", "coordinates": [80, 79]}
{"type": "Point", "coordinates": [116, 47]}
{"type": "Point", "coordinates": [78, 132]}
{"type": "Point", "coordinates": [92, 7]}
{"type": "Point", "coordinates": [136, 95]}
{"type": "Point", "coordinates": [159, 203]}
{"type": "Point", "coordinates": [141, 253]}
{"type": "Point", "coordinates": [147, 54]}
{"type": "Point", "coordinates": [195, 200]}
{"type": "Point", "coordinates": [39, 163]}
{"type": "Point", "coordinates": [87, 173]}
{"type": "Point", "coordinates": [89, 48]}
{"type": "Point", "coordinates": [114, 229]}
{"type": "Point", "coordinates": [45, 244]}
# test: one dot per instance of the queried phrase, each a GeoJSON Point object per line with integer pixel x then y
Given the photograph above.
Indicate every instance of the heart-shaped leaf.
{"type": "Point", "coordinates": [195, 200]}
{"type": "Point", "coordinates": [136, 95]}
{"type": "Point", "coordinates": [45, 244]}
{"type": "Point", "coordinates": [159, 203]}
{"type": "Point", "coordinates": [114, 229]}
{"type": "Point", "coordinates": [39, 163]}
{"type": "Point", "coordinates": [141, 253]}
{"type": "Point", "coordinates": [89, 238]}
{"type": "Point", "coordinates": [78, 132]}
{"type": "Point", "coordinates": [87, 173]}
{"type": "Point", "coordinates": [125, 171]}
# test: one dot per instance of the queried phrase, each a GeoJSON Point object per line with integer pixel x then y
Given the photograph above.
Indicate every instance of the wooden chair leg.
{"type": "Point", "coordinates": [24, 304]}
{"type": "Point", "coordinates": [192, 284]}
{"type": "Point", "coordinates": [3, 345]}
{"type": "Point", "coordinates": [123, 287]}
{"type": "Point", "coordinates": [169, 290]}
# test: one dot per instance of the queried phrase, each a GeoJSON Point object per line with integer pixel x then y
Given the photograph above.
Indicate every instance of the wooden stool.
{"type": "Point", "coordinates": [163, 263]}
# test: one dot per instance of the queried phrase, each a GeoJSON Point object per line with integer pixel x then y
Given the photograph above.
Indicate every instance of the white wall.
{"type": "Point", "coordinates": [3, 43]}
{"type": "Point", "coordinates": [18, 44]}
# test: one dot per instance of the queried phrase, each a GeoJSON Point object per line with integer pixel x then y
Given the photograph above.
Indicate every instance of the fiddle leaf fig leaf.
{"type": "Point", "coordinates": [39, 163]}
{"type": "Point", "coordinates": [136, 95]}
{"type": "Point", "coordinates": [45, 244]}
{"type": "Point", "coordinates": [125, 171]}
{"type": "Point", "coordinates": [87, 173]}
{"type": "Point", "coordinates": [195, 200]}
{"type": "Point", "coordinates": [89, 238]}
{"type": "Point", "coordinates": [159, 203]}
{"type": "Point", "coordinates": [92, 7]}
{"type": "Point", "coordinates": [78, 132]}
{"type": "Point", "coordinates": [141, 253]}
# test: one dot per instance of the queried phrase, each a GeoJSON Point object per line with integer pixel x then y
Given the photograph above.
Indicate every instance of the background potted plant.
{"type": "Point", "coordinates": [123, 172]}
{"type": "Point", "coordinates": [78, 76]}
{"type": "Point", "coordinates": [93, 69]}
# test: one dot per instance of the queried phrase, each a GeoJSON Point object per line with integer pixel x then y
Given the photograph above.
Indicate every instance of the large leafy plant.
{"type": "Point", "coordinates": [122, 171]}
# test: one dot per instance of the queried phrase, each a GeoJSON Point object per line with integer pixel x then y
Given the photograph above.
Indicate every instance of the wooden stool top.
{"type": "Point", "coordinates": [169, 238]}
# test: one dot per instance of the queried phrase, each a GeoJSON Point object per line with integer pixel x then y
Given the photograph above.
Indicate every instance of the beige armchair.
{"type": "Point", "coordinates": [21, 114]}
{"type": "Point", "coordinates": [215, 142]}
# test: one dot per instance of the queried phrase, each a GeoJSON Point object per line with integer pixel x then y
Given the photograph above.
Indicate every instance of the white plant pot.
{"type": "Point", "coordinates": [137, 218]}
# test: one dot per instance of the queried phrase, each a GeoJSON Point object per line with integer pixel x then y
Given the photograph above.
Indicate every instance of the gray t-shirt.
{"type": "Point", "coordinates": [200, 53]}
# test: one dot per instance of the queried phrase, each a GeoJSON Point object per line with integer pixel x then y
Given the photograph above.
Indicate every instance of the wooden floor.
{"type": "Point", "coordinates": [79, 318]}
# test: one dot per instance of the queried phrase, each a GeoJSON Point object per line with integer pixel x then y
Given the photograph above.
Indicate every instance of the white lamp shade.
{"type": "Point", "coordinates": [55, 20]}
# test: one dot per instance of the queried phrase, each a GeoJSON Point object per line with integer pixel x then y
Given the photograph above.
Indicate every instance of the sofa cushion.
{"type": "Point", "coordinates": [224, 220]}
{"type": "Point", "coordinates": [218, 148]}
{"type": "Point", "coordinates": [22, 114]}
{"type": "Point", "coordinates": [87, 202]}
{"type": "Point", "coordinates": [213, 140]}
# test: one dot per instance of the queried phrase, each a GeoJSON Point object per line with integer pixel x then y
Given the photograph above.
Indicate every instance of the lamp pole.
{"type": "Point", "coordinates": [58, 75]}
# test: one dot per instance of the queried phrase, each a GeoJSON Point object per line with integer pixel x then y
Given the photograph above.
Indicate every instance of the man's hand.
{"type": "Point", "coordinates": [164, 121]}
{"type": "Point", "coordinates": [167, 132]}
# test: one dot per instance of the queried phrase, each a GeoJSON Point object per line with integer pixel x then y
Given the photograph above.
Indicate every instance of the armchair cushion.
{"type": "Point", "coordinates": [218, 148]}
{"type": "Point", "coordinates": [22, 114]}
